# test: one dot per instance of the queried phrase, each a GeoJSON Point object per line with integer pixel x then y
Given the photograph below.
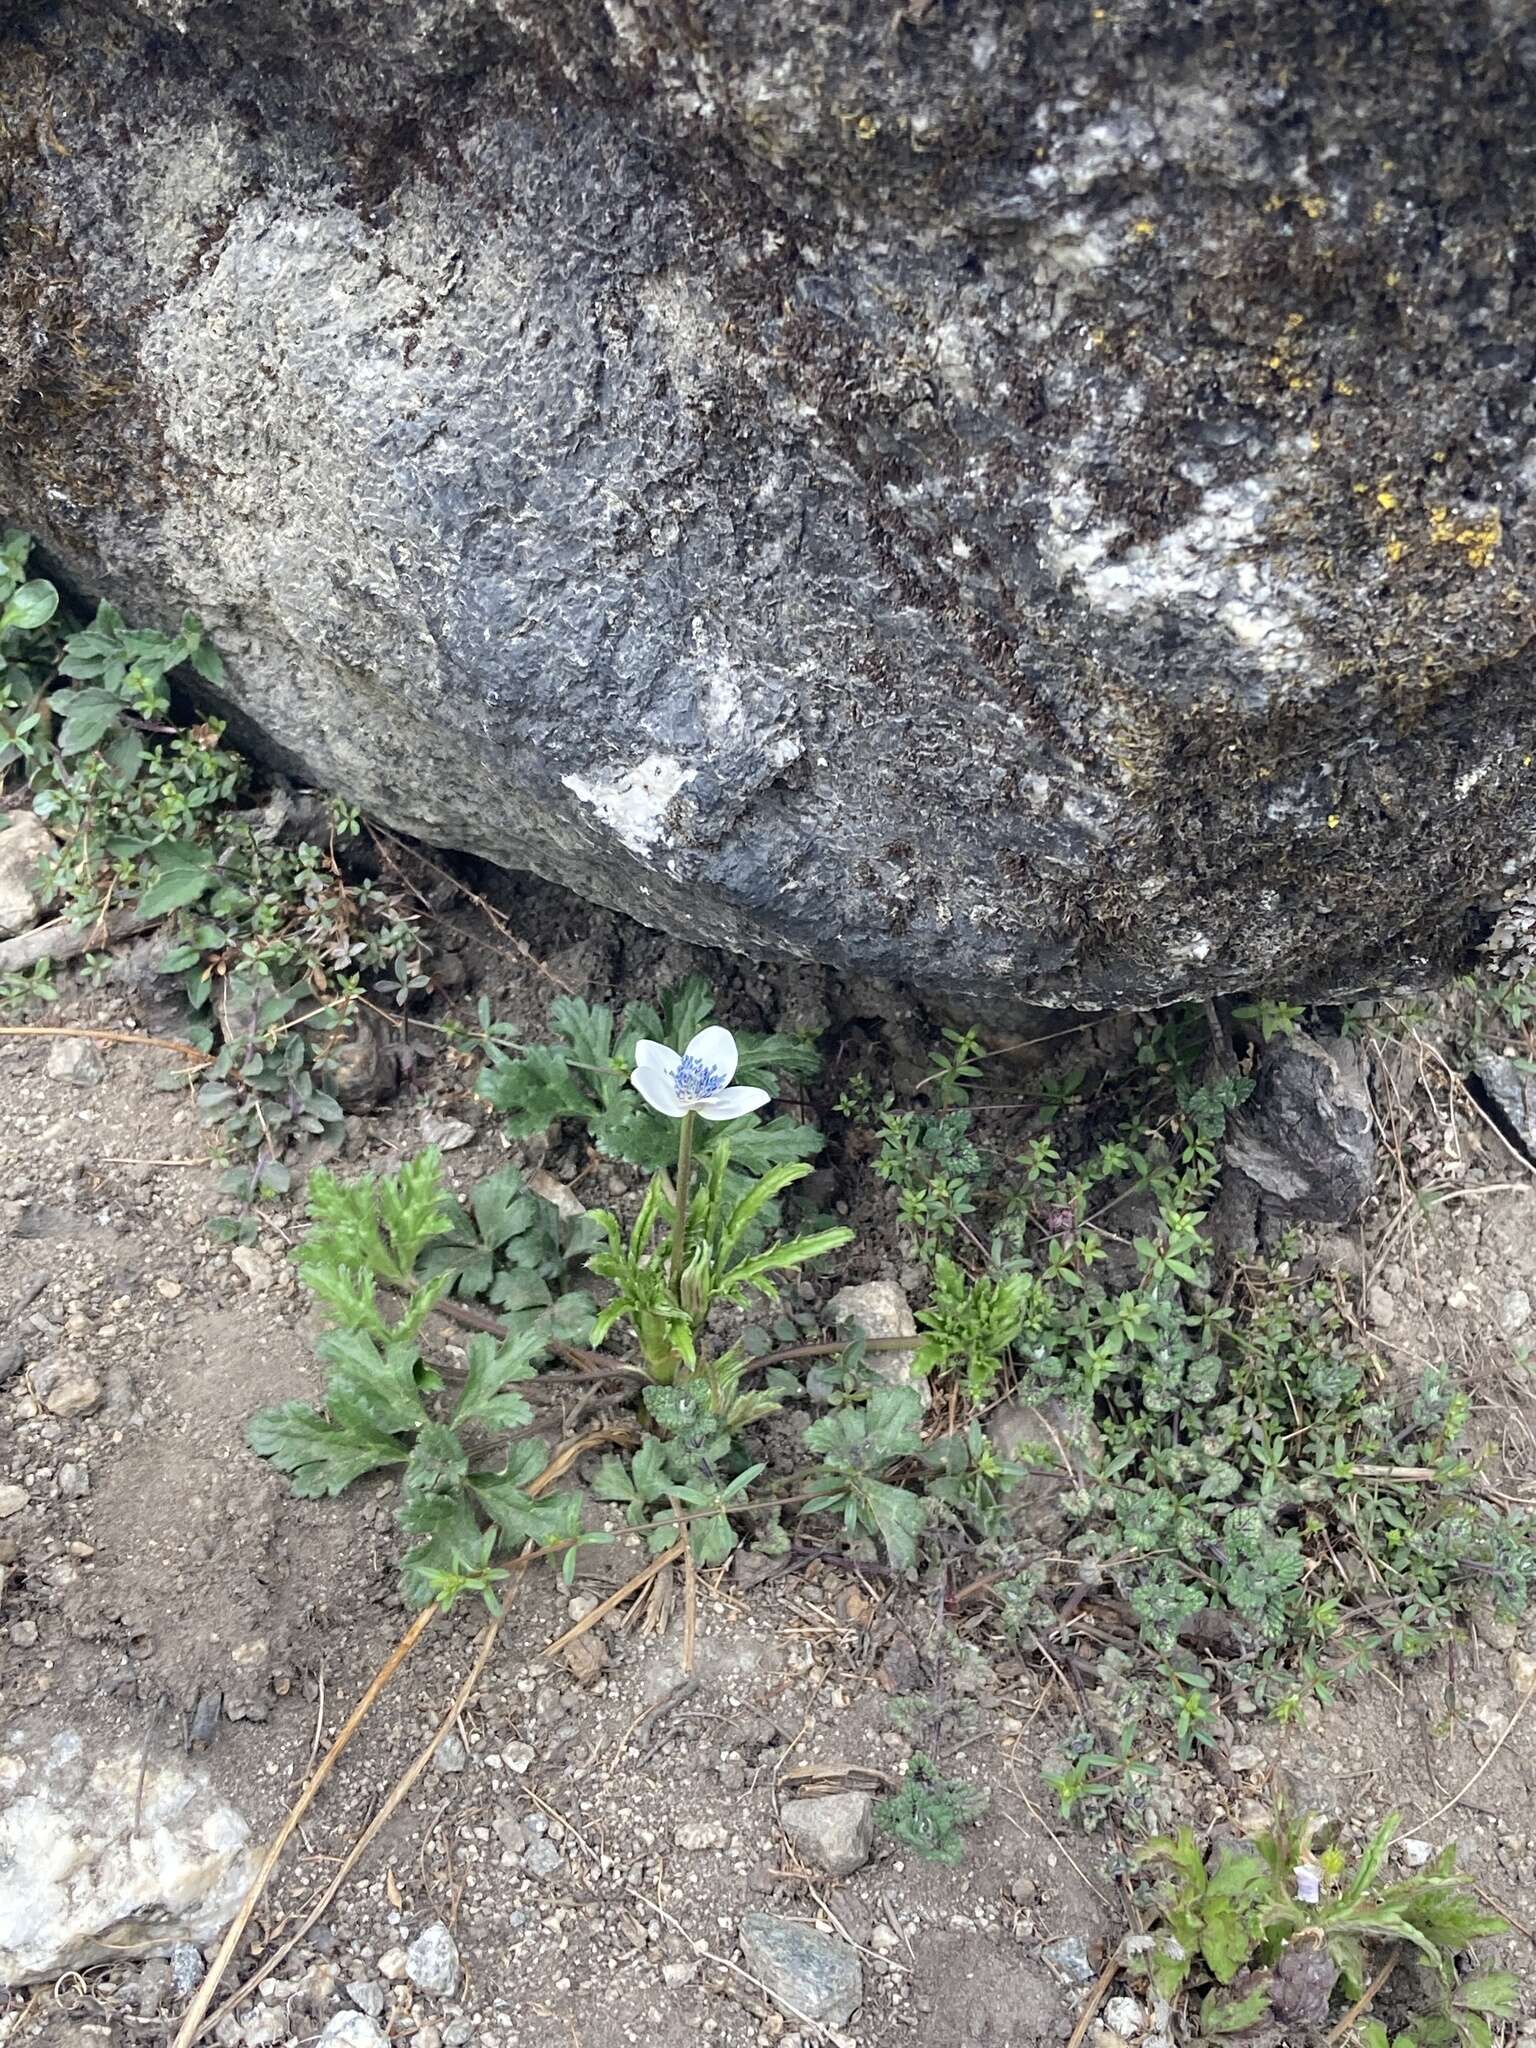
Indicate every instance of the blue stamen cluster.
{"type": "Point", "coordinates": [694, 1080]}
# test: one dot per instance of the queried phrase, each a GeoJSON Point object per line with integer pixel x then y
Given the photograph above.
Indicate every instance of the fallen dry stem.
{"type": "Point", "coordinates": [1337, 2033]}
{"type": "Point", "coordinates": [104, 1037]}
{"type": "Point", "coordinates": [1096, 1998]}
{"type": "Point", "coordinates": [1457, 1797]}
{"type": "Point", "coordinates": [642, 1578]}
{"type": "Point", "coordinates": [361, 1846]}
{"type": "Point", "coordinates": [191, 2024]}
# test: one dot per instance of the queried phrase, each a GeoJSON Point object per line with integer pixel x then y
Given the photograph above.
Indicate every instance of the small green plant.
{"type": "Point", "coordinates": [860, 1445]}
{"type": "Point", "coordinates": [32, 984]}
{"type": "Point", "coordinates": [929, 1813]}
{"type": "Point", "coordinates": [672, 1267]}
{"type": "Point", "coordinates": [958, 1069]}
{"type": "Point", "coordinates": [1091, 1784]}
{"type": "Point", "coordinates": [1270, 1018]}
{"type": "Point", "coordinates": [383, 1252]}
{"type": "Point", "coordinates": [273, 944]}
{"type": "Point", "coordinates": [511, 1248]}
{"type": "Point", "coordinates": [583, 1076]}
{"type": "Point", "coordinates": [466, 1491]}
{"type": "Point", "coordinates": [1285, 1930]}
{"type": "Point", "coordinates": [970, 1324]}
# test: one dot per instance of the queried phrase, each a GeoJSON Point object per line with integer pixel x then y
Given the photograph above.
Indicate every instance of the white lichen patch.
{"type": "Point", "coordinates": [1214, 565]}
{"type": "Point", "coordinates": [633, 802]}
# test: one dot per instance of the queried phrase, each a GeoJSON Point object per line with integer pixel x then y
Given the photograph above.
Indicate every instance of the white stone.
{"type": "Point", "coordinates": [1514, 1311]}
{"type": "Point", "coordinates": [255, 1265]}
{"type": "Point", "coordinates": [432, 1961]}
{"type": "Point", "coordinates": [880, 1309]}
{"type": "Point", "coordinates": [835, 1832]}
{"type": "Point", "coordinates": [25, 842]}
{"type": "Point", "coordinates": [351, 2030]}
{"type": "Point", "coordinates": [447, 1133]}
{"type": "Point", "coordinates": [700, 1834]}
{"type": "Point", "coordinates": [75, 1060]}
{"type": "Point", "coordinates": [102, 1858]}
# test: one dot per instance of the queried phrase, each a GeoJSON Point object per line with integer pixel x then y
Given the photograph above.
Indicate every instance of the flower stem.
{"type": "Point", "coordinates": [680, 1215]}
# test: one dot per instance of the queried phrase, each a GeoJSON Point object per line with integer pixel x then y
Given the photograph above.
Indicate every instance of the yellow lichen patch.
{"type": "Point", "coordinates": [1478, 537]}
{"type": "Point", "coordinates": [1313, 207]}
{"type": "Point", "coordinates": [1386, 499]}
{"type": "Point", "coordinates": [1394, 548]}
{"type": "Point", "coordinates": [1144, 227]}
{"type": "Point", "coordinates": [1333, 821]}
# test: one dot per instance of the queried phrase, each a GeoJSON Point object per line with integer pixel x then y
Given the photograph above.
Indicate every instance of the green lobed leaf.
{"type": "Point", "coordinates": [320, 1455]}
{"type": "Point", "coordinates": [494, 1365]}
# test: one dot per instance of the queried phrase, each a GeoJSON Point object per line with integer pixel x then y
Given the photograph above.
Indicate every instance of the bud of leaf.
{"type": "Point", "coordinates": [694, 1290]}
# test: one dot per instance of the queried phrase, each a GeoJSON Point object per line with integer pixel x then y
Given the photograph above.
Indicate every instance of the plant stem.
{"type": "Point", "coordinates": [680, 1216]}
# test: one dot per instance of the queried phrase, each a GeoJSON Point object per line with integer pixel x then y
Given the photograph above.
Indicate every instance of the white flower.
{"type": "Point", "coordinates": [1309, 1883]}
{"type": "Point", "coordinates": [696, 1079]}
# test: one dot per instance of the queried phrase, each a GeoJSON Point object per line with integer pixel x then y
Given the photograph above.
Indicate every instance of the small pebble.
{"type": "Point", "coordinates": [542, 1859]}
{"type": "Point", "coordinates": [187, 1968]}
{"type": "Point", "coordinates": [432, 1961]}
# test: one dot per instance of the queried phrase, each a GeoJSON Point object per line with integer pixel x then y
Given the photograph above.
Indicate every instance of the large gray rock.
{"type": "Point", "coordinates": [1306, 1137]}
{"type": "Point", "coordinates": [105, 1856]}
{"type": "Point", "coordinates": [811, 1976]}
{"type": "Point", "coordinates": [1027, 499]}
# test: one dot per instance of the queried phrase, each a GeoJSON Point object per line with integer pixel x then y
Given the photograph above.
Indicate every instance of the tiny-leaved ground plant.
{"type": "Point", "coordinates": [275, 944]}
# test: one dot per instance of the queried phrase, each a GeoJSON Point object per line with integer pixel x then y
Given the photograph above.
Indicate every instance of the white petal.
{"type": "Point", "coordinates": [658, 1090]}
{"type": "Point", "coordinates": [714, 1047]}
{"type": "Point", "coordinates": [658, 1057]}
{"type": "Point", "coordinates": [719, 1109]}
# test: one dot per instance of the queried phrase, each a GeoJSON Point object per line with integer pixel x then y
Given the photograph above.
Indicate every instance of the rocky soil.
{"type": "Point", "coordinates": [605, 1849]}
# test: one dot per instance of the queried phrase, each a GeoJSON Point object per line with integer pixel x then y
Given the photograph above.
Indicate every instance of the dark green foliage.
{"type": "Point", "coordinates": [272, 942]}
{"type": "Point", "coordinates": [859, 1446]}
{"type": "Point", "coordinates": [463, 1497]}
{"type": "Point", "coordinates": [583, 1075]}
{"type": "Point", "coordinates": [515, 1250]}
{"type": "Point", "coordinates": [1235, 1925]}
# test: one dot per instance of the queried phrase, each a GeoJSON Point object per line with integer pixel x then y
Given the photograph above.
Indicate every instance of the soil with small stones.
{"type": "Point", "coordinates": [595, 1865]}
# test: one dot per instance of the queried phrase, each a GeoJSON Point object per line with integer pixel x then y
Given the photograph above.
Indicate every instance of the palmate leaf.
{"type": "Point", "coordinates": [895, 1516]}
{"type": "Point", "coordinates": [437, 1464]}
{"type": "Point", "coordinates": [532, 1091]}
{"type": "Point", "coordinates": [377, 1385]}
{"type": "Point", "coordinates": [1494, 1992]}
{"type": "Point", "coordinates": [1221, 2013]}
{"type": "Point", "coordinates": [867, 1438]}
{"type": "Point", "coordinates": [755, 1146]}
{"type": "Point", "coordinates": [495, 1365]}
{"type": "Point", "coordinates": [587, 1029]}
{"type": "Point", "coordinates": [320, 1456]}
{"type": "Point", "coordinates": [456, 1547]}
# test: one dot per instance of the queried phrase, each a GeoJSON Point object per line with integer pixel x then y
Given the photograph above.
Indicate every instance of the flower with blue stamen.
{"type": "Point", "coordinates": [697, 1080]}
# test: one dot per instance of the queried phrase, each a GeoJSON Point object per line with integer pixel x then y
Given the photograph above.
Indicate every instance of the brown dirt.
{"type": "Point", "coordinates": [157, 1560]}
